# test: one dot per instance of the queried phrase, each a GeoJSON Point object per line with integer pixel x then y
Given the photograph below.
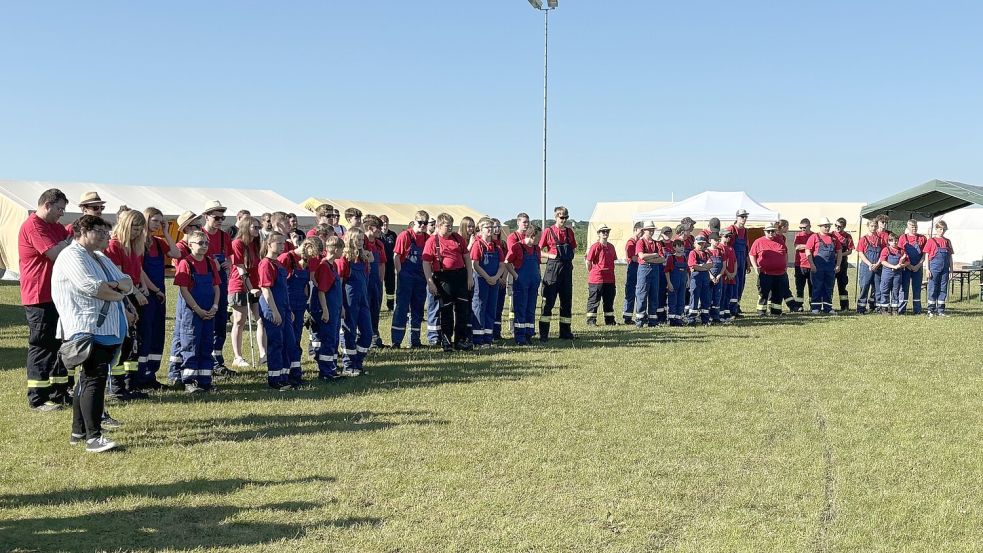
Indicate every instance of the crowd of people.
{"type": "Point", "coordinates": [95, 294]}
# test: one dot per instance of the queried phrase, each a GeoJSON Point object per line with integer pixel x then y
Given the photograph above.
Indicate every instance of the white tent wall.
{"type": "Point", "coordinates": [620, 217]}
{"type": "Point", "coordinates": [709, 205]}
{"type": "Point", "coordinates": [399, 214]}
{"type": "Point", "coordinates": [965, 232]}
{"type": "Point", "coordinates": [19, 198]}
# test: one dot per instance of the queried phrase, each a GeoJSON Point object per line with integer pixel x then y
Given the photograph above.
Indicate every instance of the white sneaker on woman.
{"type": "Point", "coordinates": [240, 363]}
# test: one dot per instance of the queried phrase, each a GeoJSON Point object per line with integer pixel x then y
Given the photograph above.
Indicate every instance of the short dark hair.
{"type": "Point", "coordinates": [353, 212]}
{"type": "Point", "coordinates": [52, 195]}
{"type": "Point", "coordinates": [86, 223]}
{"type": "Point", "coordinates": [842, 222]}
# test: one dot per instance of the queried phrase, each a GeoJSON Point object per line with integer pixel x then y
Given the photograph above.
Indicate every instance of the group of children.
{"type": "Point", "coordinates": [277, 281]}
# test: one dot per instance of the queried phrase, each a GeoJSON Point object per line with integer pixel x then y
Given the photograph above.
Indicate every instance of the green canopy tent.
{"type": "Point", "coordinates": [925, 202]}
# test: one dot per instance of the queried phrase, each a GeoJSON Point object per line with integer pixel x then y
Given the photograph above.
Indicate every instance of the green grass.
{"type": "Point", "coordinates": [811, 434]}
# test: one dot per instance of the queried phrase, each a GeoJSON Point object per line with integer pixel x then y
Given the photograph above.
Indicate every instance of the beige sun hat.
{"type": "Point", "coordinates": [90, 198]}
{"type": "Point", "coordinates": [213, 205]}
{"type": "Point", "coordinates": [824, 222]}
{"type": "Point", "coordinates": [185, 219]}
{"type": "Point", "coordinates": [648, 225]}
{"type": "Point", "coordinates": [604, 228]}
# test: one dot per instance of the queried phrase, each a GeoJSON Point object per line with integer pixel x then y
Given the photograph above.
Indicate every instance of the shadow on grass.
{"type": "Point", "coordinates": [252, 427]}
{"type": "Point", "coordinates": [389, 371]}
{"type": "Point", "coordinates": [172, 527]}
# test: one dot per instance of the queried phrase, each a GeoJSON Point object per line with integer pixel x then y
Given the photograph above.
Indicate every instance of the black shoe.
{"type": "Point", "coordinates": [221, 371]}
{"type": "Point", "coordinates": [544, 339]}
{"type": "Point", "coordinates": [464, 345]}
{"type": "Point", "coordinates": [567, 337]}
{"type": "Point", "coordinates": [447, 347]}
{"type": "Point", "coordinates": [48, 407]}
{"type": "Point", "coordinates": [110, 422]}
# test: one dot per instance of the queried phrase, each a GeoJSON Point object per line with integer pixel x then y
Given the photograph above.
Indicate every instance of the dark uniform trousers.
{"type": "Point", "coordinates": [557, 281]}
{"type": "Point", "coordinates": [47, 378]}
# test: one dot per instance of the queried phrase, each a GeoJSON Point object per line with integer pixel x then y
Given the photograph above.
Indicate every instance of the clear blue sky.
{"type": "Point", "coordinates": [442, 101]}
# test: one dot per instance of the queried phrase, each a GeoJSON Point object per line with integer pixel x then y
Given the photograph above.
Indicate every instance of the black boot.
{"type": "Point", "coordinates": [565, 332]}
{"type": "Point", "coordinates": [544, 331]}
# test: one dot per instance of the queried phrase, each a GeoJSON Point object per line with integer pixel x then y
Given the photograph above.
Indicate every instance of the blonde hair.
{"type": "Point", "coordinates": [445, 218]}
{"type": "Point", "coordinates": [245, 235]}
{"type": "Point", "coordinates": [484, 221]}
{"type": "Point", "coordinates": [133, 242]}
{"type": "Point", "coordinates": [311, 247]}
{"type": "Point", "coordinates": [462, 229]}
{"type": "Point", "coordinates": [149, 214]}
{"type": "Point", "coordinates": [265, 247]}
{"type": "Point", "coordinates": [334, 243]}
{"type": "Point", "coordinates": [198, 235]}
{"type": "Point", "coordinates": [942, 225]}
{"type": "Point", "coordinates": [353, 252]}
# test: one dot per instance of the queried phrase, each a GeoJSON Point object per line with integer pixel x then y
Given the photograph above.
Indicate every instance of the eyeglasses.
{"type": "Point", "coordinates": [201, 243]}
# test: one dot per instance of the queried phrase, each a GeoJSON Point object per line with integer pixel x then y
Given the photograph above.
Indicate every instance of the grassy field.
{"type": "Point", "coordinates": [811, 434]}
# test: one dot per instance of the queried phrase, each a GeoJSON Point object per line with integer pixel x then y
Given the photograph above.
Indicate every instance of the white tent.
{"type": "Point", "coordinates": [965, 232]}
{"type": "Point", "coordinates": [707, 205]}
{"type": "Point", "coordinates": [18, 199]}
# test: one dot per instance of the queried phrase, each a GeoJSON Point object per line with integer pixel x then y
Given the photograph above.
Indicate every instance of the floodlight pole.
{"type": "Point", "coordinates": [550, 5]}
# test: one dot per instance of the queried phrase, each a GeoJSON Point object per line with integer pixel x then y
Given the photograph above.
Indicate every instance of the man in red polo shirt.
{"type": "Point", "coordinates": [600, 260]}
{"type": "Point", "coordinates": [40, 240]}
{"type": "Point", "coordinates": [450, 279]}
{"type": "Point", "coordinates": [768, 257]}
{"type": "Point", "coordinates": [559, 244]}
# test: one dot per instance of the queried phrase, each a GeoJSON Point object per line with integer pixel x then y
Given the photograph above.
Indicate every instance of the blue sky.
{"type": "Point", "coordinates": [442, 101]}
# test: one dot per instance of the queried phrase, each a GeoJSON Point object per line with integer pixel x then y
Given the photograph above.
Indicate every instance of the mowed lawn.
{"type": "Point", "coordinates": [805, 434]}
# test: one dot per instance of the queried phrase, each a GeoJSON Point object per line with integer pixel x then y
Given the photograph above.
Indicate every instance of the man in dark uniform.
{"type": "Point", "coordinates": [558, 245]}
{"type": "Point", "coordinates": [388, 238]}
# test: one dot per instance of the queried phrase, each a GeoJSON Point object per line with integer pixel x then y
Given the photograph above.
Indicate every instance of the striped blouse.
{"type": "Point", "coordinates": [75, 281]}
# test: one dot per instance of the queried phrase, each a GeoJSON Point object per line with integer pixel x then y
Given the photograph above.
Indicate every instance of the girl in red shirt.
{"type": "Point", "coordinates": [244, 289]}
{"type": "Point", "coordinates": [126, 248]}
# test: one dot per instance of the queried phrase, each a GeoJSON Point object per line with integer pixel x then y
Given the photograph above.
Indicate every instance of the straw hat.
{"type": "Point", "coordinates": [824, 222]}
{"type": "Point", "coordinates": [213, 205]}
{"type": "Point", "coordinates": [648, 225]}
{"type": "Point", "coordinates": [604, 228]}
{"type": "Point", "coordinates": [90, 198]}
{"type": "Point", "coordinates": [186, 219]}
{"type": "Point", "coordinates": [771, 226]}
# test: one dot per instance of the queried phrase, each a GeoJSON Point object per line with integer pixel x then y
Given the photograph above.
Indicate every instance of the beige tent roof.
{"type": "Point", "coordinates": [18, 199]}
{"type": "Point", "coordinates": [399, 214]}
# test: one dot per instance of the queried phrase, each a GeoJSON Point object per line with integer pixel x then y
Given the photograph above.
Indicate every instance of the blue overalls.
{"type": "Point", "coordinates": [716, 289]}
{"type": "Point", "coordinates": [484, 298]}
{"type": "Point", "coordinates": [502, 293]}
{"type": "Point", "coordinates": [433, 318]}
{"type": "Point", "coordinates": [662, 311]}
{"type": "Point", "coordinates": [374, 290]}
{"type": "Point", "coordinates": [647, 288]}
{"type": "Point", "coordinates": [174, 366]}
{"type": "Point", "coordinates": [870, 281]}
{"type": "Point", "coordinates": [631, 280]}
{"type": "Point", "coordinates": [524, 293]}
{"type": "Point", "coordinates": [677, 297]}
{"type": "Point", "coordinates": [740, 252]}
{"type": "Point", "coordinates": [282, 353]}
{"type": "Point", "coordinates": [326, 338]}
{"type": "Point", "coordinates": [357, 325]}
{"type": "Point", "coordinates": [298, 278]}
{"type": "Point", "coordinates": [911, 281]}
{"type": "Point", "coordinates": [938, 283]}
{"type": "Point", "coordinates": [699, 290]}
{"type": "Point", "coordinates": [411, 293]}
{"type": "Point", "coordinates": [222, 317]}
{"type": "Point", "coordinates": [150, 327]}
{"type": "Point", "coordinates": [196, 334]}
{"type": "Point", "coordinates": [823, 274]}
{"type": "Point", "coordinates": [891, 278]}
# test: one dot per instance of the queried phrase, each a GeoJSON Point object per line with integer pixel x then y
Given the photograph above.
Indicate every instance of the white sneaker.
{"type": "Point", "coordinates": [262, 360]}
{"type": "Point", "coordinates": [98, 445]}
{"type": "Point", "coordinates": [240, 363]}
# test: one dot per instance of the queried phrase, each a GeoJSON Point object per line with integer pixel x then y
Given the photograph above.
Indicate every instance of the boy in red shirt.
{"type": "Point", "coordinates": [450, 279]}
{"type": "Point", "coordinates": [768, 257]}
{"type": "Point", "coordinates": [894, 260]}
{"type": "Point", "coordinates": [219, 249]}
{"type": "Point", "coordinates": [600, 260]}
{"type": "Point", "coordinates": [801, 263]}
{"type": "Point", "coordinates": [842, 278]}
{"type": "Point", "coordinates": [199, 281]}
{"type": "Point", "coordinates": [631, 280]}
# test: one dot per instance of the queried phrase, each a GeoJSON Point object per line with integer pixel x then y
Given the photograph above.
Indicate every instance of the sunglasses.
{"type": "Point", "coordinates": [803, 228]}
{"type": "Point", "coordinates": [421, 223]}
{"type": "Point", "coordinates": [201, 243]}
{"type": "Point", "coordinates": [769, 231]}
{"type": "Point", "coordinates": [603, 232]}
{"type": "Point", "coordinates": [217, 217]}
{"type": "Point", "coordinates": [563, 218]}
{"type": "Point", "coordinates": [431, 223]}
{"type": "Point", "coordinates": [96, 207]}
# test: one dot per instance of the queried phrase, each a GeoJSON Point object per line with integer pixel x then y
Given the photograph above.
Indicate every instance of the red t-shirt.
{"type": "Point", "coordinates": [182, 274]}
{"type": "Point", "coordinates": [730, 263]}
{"type": "Point", "coordinates": [933, 245]}
{"type": "Point", "coordinates": [405, 240]}
{"type": "Point", "coordinates": [801, 259]}
{"type": "Point", "coordinates": [130, 263]}
{"type": "Point", "coordinates": [312, 232]}
{"type": "Point", "coordinates": [290, 260]}
{"type": "Point", "coordinates": [630, 249]}
{"type": "Point", "coordinates": [845, 240]}
{"type": "Point", "coordinates": [184, 248]}
{"type": "Point", "coordinates": [918, 239]}
{"type": "Point", "coordinates": [882, 234]}
{"type": "Point", "coordinates": [771, 256]}
{"type": "Point", "coordinates": [644, 246]}
{"type": "Point", "coordinates": [288, 246]}
{"type": "Point", "coordinates": [239, 257]}
{"type": "Point", "coordinates": [697, 257]}
{"type": "Point", "coordinates": [514, 238]}
{"type": "Point", "coordinates": [479, 248]}
{"type": "Point", "coordinates": [378, 249]}
{"type": "Point", "coordinates": [37, 236]}
{"type": "Point", "coordinates": [450, 250]}
{"type": "Point", "coordinates": [553, 236]}
{"type": "Point", "coordinates": [870, 241]}
{"type": "Point", "coordinates": [602, 258]}
{"type": "Point", "coordinates": [894, 251]}
{"type": "Point", "coordinates": [345, 267]}
{"type": "Point", "coordinates": [675, 260]}
{"type": "Point", "coordinates": [219, 243]}
{"type": "Point", "coordinates": [268, 272]}
{"type": "Point", "coordinates": [818, 239]}
{"type": "Point", "coordinates": [324, 277]}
